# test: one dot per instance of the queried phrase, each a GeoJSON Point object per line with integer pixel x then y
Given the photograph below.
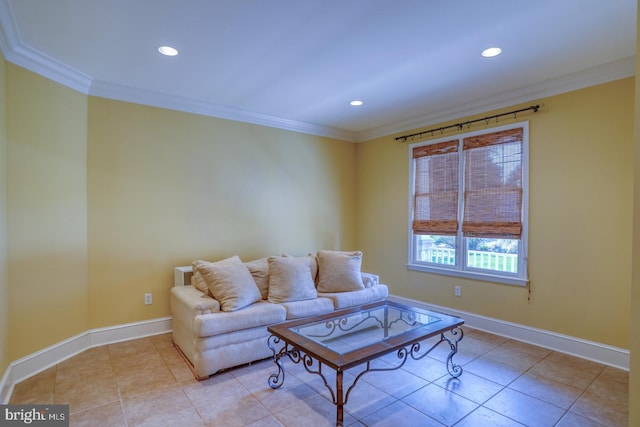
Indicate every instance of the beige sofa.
{"type": "Point", "coordinates": [221, 309]}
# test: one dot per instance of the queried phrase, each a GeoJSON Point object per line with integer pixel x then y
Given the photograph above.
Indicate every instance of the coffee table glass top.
{"type": "Point", "coordinates": [360, 329]}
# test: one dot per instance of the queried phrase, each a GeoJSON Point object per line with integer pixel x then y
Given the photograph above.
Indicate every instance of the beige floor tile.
{"type": "Point", "coordinates": [427, 368]}
{"type": "Point", "coordinates": [162, 340]}
{"type": "Point", "coordinates": [109, 415]}
{"type": "Point", "coordinates": [483, 417]}
{"type": "Point", "coordinates": [398, 383]}
{"type": "Point", "coordinates": [313, 412]}
{"type": "Point", "coordinates": [514, 357]}
{"type": "Point", "coordinates": [486, 337]}
{"type": "Point", "coordinates": [440, 404]}
{"type": "Point", "coordinates": [90, 355]}
{"type": "Point", "coordinates": [365, 399]}
{"type": "Point", "coordinates": [524, 409]}
{"type": "Point", "coordinates": [523, 347]}
{"type": "Point", "coordinates": [161, 408]}
{"type": "Point", "coordinates": [36, 389]}
{"type": "Point", "coordinates": [287, 395]}
{"type": "Point", "coordinates": [129, 348]}
{"type": "Point", "coordinates": [550, 391]}
{"type": "Point", "coordinates": [155, 385]}
{"type": "Point", "coordinates": [85, 370]}
{"type": "Point", "coordinates": [181, 372]}
{"type": "Point", "coordinates": [143, 380]}
{"type": "Point", "coordinates": [611, 411]}
{"type": "Point", "coordinates": [493, 370]}
{"type": "Point", "coordinates": [399, 414]}
{"type": "Point", "coordinates": [566, 370]}
{"type": "Point", "coordinates": [470, 386]}
{"type": "Point", "coordinates": [268, 421]}
{"type": "Point", "coordinates": [84, 395]}
{"type": "Point", "coordinates": [574, 420]}
{"type": "Point", "coordinates": [124, 365]}
{"type": "Point", "coordinates": [231, 411]}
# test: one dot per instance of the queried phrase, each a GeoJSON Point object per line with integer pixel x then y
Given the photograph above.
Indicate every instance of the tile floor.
{"type": "Point", "coordinates": [145, 382]}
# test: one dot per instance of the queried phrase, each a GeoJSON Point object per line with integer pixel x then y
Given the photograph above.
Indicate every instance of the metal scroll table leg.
{"type": "Point", "coordinates": [339, 399]}
{"type": "Point", "coordinates": [276, 380]}
{"type": "Point", "coordinates": [454, 370]}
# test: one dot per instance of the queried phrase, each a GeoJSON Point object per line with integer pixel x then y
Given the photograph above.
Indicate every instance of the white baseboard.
{"type": "Point", "coordinates": [30, 365]}
{"type": "Point", "coordinates": [590, 350]}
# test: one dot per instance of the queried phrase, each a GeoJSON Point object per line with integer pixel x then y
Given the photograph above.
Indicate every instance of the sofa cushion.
{"type": "Point", "coordinates": [355, 298]}
{"type": "Point", "coordinates": [255, 315]}
{"type": "Point", "coordinates": [259, 269]}
{"type": "Point", "coordinates": [290, 279]}
{"type": "Point", "coordinates": [312, 307]}
{"type": "Point", "coordinates": [370, 280]}
{"type": "Point", "coordinates": [230, 282]}
{"type": "Point", "coordinates": [339, 271]}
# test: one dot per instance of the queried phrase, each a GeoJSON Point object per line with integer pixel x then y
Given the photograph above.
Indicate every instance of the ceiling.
{"type": "Point", "coordinates": [296, 64]}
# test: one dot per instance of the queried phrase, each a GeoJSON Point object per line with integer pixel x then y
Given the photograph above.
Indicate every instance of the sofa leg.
{"type": "Point", "coordinates": [188, 362]}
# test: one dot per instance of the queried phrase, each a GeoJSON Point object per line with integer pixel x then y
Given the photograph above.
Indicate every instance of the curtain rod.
{"type": "Point", "coordinates": [404, 138]}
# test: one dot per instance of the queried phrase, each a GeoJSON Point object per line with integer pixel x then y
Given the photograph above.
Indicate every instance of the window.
{"type": "Point", "coordinates": [468, 205]}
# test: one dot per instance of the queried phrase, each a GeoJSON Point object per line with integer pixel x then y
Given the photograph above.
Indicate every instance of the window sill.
{"type": "Point", "coordinates": [470, 275]}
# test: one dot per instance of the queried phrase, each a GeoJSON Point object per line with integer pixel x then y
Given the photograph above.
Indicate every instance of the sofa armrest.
{"type": "Point", "coordinates": [370, 280]}
{"type": "Point", "coordinates": [189, 302]}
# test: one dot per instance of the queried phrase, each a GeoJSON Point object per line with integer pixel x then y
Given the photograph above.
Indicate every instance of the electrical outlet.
{"type": "Point", "coordinates": [148, 299]}
{"type": "Point", "coordinates": [457, 291]}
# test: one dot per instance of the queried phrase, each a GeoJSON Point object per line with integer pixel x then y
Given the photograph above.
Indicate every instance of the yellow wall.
{"type": "Point", "coordinates": [105, 198]}
{"type": "Point", "coordinates": [4, 284]}
{"type": "Point", "coordinates": [580, 220]}
{"type": "Point", "coordinates": [166, 188]}
{"type": "Point", "coordinates": [634, 372]}
{"type": "Point", "coordinates": [47, 211]}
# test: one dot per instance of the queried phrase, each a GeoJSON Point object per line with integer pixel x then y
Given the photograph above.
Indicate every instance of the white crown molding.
{"type": "Point", "coordinates": [37, 362]}
{"type": "Point", "coordinates": [604, 73]}
{"type": "Point", "coordinates": [156, 99]}
{"type": "Point", "coordinates": [590, 350]}
{"type": "Point", "coordinates": [19, 53]}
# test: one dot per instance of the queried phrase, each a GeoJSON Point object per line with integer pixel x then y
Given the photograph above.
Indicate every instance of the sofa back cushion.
{"type": "Point", "coordinates": [259, 269]}
{"type": "Point", "coordinates": [229, 281]}
{"type": "Point", "coordinates": [290, 279]}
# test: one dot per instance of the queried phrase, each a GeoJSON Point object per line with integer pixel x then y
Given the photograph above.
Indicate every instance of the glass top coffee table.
{"type": "Point", "coordinates": [356, 336]}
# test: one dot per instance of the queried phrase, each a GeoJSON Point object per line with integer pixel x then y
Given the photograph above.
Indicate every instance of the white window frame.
{"type": "Point", "coordinates": [460, 269]}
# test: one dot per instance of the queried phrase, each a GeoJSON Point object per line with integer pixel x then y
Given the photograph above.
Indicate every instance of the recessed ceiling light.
{"type": "Point", "coordinates": [167, 50]}
{"type": "Point", "coordinates": [356, 103]}
{"type": "Point", "coordinates": [491, 52]}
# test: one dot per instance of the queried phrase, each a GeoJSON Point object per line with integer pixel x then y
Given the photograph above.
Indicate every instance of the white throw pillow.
{"type": "Point", "coordinates": [339, 271]}
{"type": "Point", "coordinates": [230, 282]}
{"type": "Point", "coordinates": [290, 279]}
{"type": "Point", "coordinates": [198, 282]}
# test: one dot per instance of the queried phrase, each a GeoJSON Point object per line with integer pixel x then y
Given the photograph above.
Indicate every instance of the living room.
{"type": "Point", "coordinates": [102, 198]}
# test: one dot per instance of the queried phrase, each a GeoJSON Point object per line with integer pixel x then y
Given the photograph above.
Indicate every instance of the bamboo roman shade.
{"type": "Point", "coordinates": [436, 188]}
{"type": "Point", "coordinates": [493, 185]}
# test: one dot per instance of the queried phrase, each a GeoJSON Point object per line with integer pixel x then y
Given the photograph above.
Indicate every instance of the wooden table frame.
{"type": "Point", "coordinates": [300, 349]}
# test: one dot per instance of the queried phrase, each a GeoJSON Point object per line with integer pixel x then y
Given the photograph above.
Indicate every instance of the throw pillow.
{"type": "Point", "coordinates": [198, 282]}
{"type": "Point", "coordinates": [313, 265]}
{"type": "Point", "coordinates": [339, 271]}
{"type": "Point", "coordinates": [290, 279]}
{"type": "Point", "coordinates": [230, 282]}
{"type": "Point", "coordinates": [259, 269]}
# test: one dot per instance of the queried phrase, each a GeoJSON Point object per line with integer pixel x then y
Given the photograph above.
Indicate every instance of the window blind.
{"type": "Point", "coordinates": [436, 188]}
{"type": "Point", "coordinates": [493, 185]}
